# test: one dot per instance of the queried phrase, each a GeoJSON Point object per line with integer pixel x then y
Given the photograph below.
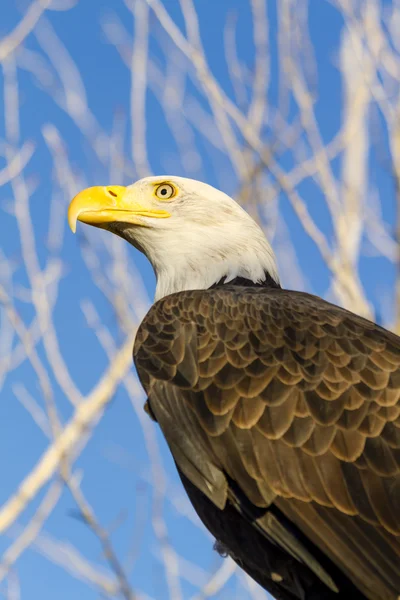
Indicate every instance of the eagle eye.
{"type": "Point", "coordinates": [165, 191]}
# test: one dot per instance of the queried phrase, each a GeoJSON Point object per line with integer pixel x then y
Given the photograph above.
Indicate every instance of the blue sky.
{"type": "Point", "coordinates": [115, 463]}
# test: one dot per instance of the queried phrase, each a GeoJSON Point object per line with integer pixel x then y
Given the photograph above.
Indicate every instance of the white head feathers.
{"type": "Point", "coordinates": [208, 237]}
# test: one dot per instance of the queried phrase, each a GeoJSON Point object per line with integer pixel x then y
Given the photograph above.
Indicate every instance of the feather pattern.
{"type": "Point", "coordinates": [283, 410]}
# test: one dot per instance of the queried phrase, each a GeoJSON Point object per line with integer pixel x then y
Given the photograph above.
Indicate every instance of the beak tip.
{"type": "Point", "coordinates": [93, 201]}
{"type": "Point", "coordinates": [72, 222]}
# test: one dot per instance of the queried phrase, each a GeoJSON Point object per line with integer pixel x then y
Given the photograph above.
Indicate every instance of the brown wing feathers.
{"type": "Point", "coordinates": [297, 401]}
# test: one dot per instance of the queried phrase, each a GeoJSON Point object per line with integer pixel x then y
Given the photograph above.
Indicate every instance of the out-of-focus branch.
{"type": "Point", "coordinates": [88, 516]}
{"type": "Point", "coordinates": [217, 581]}
{"type": "Point", "coordinates": [259, 104]}
{"type": "Point", "coordinates": [37, 413]}
{"type": "Point", "coordinates": [235, 69]}
{"type": "Point", "coordinates": [349, 221]}
{"type": "Point", "coordinates": [27, 24]}
{"type": "Point", "coordinates": [28, 242]}
{"type": "Point", "coordinates": [139, 70]}
{"type": "Point", "coordinates": [31, 531]}
{"type": "Point", "coordinates": [197, 55]}
{"type": "Point", "coordinates": [17, 163]}
{"type": "Point", "coordinates": [86, 416]}
{"type": "Point", "coordinates": [26, 342]}
{"type": "Point", "coordinates": [73, 562]}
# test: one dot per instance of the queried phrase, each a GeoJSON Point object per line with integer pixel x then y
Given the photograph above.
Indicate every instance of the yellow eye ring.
{"type": "Point", "coordinates": [165, 191]}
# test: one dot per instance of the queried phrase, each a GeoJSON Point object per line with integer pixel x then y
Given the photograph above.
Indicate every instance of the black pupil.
{"type": "Point", "coordinates": [164, 191]}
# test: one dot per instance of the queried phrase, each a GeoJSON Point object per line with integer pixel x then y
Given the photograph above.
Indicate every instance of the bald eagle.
{"type": "Point", "coordinates": [281, 410]}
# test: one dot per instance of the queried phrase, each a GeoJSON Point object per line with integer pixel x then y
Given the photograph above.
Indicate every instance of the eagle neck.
{"type": "Point", "coordinates": [267, 282]}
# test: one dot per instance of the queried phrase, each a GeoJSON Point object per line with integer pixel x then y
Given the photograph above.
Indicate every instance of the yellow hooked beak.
{"type": "Point", "coordinates": [108, 204]}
